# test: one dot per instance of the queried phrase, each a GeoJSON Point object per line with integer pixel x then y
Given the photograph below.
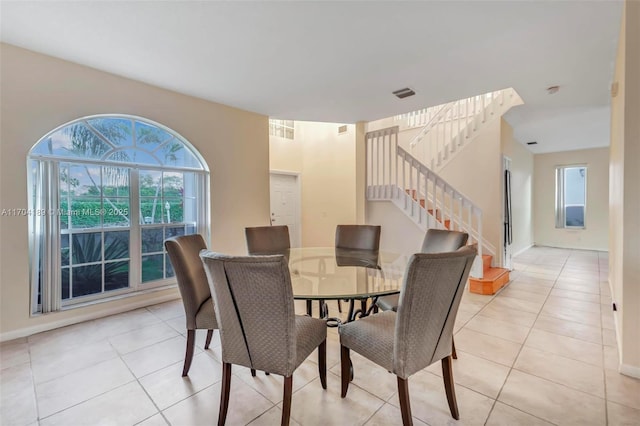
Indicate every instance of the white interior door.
{"type": "Point", "coordinates": [285, 204]}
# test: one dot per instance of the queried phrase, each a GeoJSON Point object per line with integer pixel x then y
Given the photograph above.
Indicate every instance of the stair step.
{"type": "Point", "coordinates": [423, 203]}
{"type": "Point", "coordinates": [412, 193]}
{"type": "Point", "coordinates": [493, 280]}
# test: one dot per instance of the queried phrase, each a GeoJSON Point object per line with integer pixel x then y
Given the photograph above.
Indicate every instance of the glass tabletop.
{"type": "Point", "coordinates": [329, 273]}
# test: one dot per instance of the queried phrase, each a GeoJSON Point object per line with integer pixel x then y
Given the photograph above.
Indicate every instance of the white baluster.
{"type": "Point", "coordinates": [493, 102]}
{"type": "Point", "coordinates": [404, 179]}
{"type": "Point", "coordinates": [457, 214]}
{"type": "Point", "coordinates": [417, 196]}
{"type": "Point", "coordinates": [452, 138]}
{"type": "Point", "coordinates": [475, 112]}
{"type": "Point", "coordinates": [379, 165]}
{"type": "Point", "coordinates": [484, 108]}
{"type": "Point", "coordinates": [458, 120]}
{"type": "Point", "coordinates": [397, 157]}
{"type": "Point", "coordinates": [384, 164]}
{"type": "Point", "coordinates": [466, 117]}
{"type": "Point", "coordinates": [479, 217]}
{"type": "Point", "coordinates": [411, 185]}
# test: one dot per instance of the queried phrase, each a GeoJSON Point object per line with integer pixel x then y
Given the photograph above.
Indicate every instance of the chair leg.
{"type": "Point", "coordinates": [405, 403]}
{"type": "Point", "coordinates": [224, 393]}
{"type": "Point", "coordinates": [454, 354]}
{"type": "Point", "coordinates": [209, 337]}
{"type": "Point", "coordinates": [253, 372]}
{"type": "Point", "coordinates": [339, 306]}
{"type": "Point", "coordinates": [188, 357]}
{"type": "Point", "coordinates": [345, 369]}
{"type": "Point", "coordinates": [447, 376]}
{"type": "Point", "coordinates": [286, 403]}
{"type": "Point", "coordinates": [322, 363]}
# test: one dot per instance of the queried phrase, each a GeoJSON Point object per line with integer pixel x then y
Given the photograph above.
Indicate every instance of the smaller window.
{"type": "Point", "coordinates": [571, 196]}
{"type": "Point", "coordinates": [281, 128]}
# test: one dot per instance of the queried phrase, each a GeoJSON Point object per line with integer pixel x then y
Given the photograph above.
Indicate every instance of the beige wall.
{"type": "Point", "coordinates": [624, 199]}
{"type": "Point", "coordinates": [476, 172]}
{"type": "Point", "coordinates": [40, 93]}
{"type": "Point", "coordinates": [287, 154]}
{"type": "Point", "coordinates": [361, 172]}
{"type": "Point", "coordinates": [326, 162]}
{"type": "Point", "coordinates": [595, 235]}
{"type": "Point", "coordinates": [521, 189]}
{"type": "Point", "coordinates": [399, 233]}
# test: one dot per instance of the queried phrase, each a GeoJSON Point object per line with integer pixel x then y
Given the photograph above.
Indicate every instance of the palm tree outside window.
{"type": "Point", "coordinates": [105, 192]}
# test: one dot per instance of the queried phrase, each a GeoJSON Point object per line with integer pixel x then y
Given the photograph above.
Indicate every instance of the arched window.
{"type": "Point", "coordinates": [105, 192]}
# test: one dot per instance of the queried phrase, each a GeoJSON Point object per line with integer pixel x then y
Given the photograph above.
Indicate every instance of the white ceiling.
{"type": "Point", "coordinates": [340, 61]}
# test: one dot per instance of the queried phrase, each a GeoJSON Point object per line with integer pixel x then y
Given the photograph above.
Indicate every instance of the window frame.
{"type": "Point", "coordinates": [46, 232]}
{"type": "Point", "coordinates": [285, 127]}
{"type": "Point", "coordinates": [560, 203]}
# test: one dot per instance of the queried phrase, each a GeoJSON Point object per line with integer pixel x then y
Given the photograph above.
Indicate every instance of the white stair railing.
{"type": "Point", "coordinates": [446, 128]}
{"type": "Point", "coordinates": [394, 174]}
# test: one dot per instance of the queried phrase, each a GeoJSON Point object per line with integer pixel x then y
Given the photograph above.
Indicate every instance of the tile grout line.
{"type": "Point", "coordinates": [511, 368]}
{"type": "Point", "coordinates": [33, 382]}
{"type": "Point", "coordinates": [138, 379]}
{"type": "Point", "coordinates": [604, 367]}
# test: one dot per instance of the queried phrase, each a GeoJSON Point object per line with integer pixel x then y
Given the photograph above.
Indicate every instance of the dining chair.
{"type": "Point", "coordinates": [420, 332]}
{"type": "Point", "coordinates": [184, 254]}
{"type": "Point", "coordinates": [258, 327]}
{"type": "Point", "coordinates": [357, 237]}
{"type": "Point", "coordinates": [267, 239]}
{"type": "Point", "coordinates": [435, 241]}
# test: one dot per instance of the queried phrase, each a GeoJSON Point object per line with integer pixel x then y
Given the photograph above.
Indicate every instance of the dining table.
{"type": "Point", "coordinates": [329, 273]}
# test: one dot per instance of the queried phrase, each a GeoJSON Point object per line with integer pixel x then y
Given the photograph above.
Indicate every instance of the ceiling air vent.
{"type": "Point", "coordinates": [532, 143]}
{"type": "Point", "coordinates": [404, 93]}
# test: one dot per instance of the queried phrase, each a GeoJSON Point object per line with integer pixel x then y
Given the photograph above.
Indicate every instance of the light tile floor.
{"type": "Point", "coordinates": [541, 352]}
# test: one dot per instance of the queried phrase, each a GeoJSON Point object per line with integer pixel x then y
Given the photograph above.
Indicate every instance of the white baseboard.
{"type": "Point", "coordinates": [109, 309]}
{"type": "Point", "coordinates": [519, 252]}
{"type": "Point", "coordinates": [630, 370]}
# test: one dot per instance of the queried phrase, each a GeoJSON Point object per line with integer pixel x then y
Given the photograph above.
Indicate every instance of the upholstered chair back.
{"type": "Point", "coordinates": [253, 301]}
{"type": "Point", "coordinates": [192, 280]}
{"type": "Point", "coordinates": [429, 300]}
{"type": "Point", "coordinates": [358, 237]}
{"type": "Point", "coordinates": [267, 239]}
{"type": "Point", "coordinates": [442, 240]}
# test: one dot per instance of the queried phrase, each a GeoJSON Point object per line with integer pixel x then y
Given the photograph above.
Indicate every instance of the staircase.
{"type": "Point", "coordinates": [446, 129]}
{"type": "Point", "coordinates": [493, 279]}
{"type": "Point", "coordinates": [396, 174]}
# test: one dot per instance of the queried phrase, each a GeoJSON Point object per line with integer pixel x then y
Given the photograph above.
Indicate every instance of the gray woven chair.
{"type": "Point", "coordinates": [258, 328]}
{"type": "Point", "coordinates": [192, 281]}
{"type": "Point", "coordinates": [435, 241]}
{"type": "Point", "coordinates": [420, 332]}
{"type": "Point", "coordinates": [356, 237]}
{"type": "Point", "coordinates": [268, 240]}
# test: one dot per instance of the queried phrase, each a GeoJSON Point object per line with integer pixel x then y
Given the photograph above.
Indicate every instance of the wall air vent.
{"type": "Point", "coordinates": [342, 129]}
{"type": "Point", "coordinates": [532, 143]}
{"type": "Point", "coordinates": [404, 93]}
